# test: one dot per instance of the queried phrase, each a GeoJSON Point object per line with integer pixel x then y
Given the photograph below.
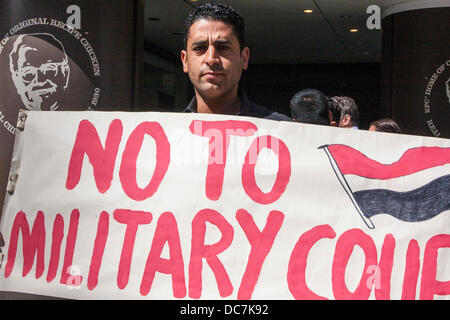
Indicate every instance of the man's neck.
{"type": "Point", "coordinates": [226, 104]}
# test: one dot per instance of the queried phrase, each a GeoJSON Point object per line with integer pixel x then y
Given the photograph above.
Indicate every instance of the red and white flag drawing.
{"type": "Point", "coordinates": [414, 188]}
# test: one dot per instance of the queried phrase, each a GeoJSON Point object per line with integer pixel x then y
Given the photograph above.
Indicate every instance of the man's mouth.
{"type": "Point", "coordinates": [212, 71]}
{"type": "Point", "coordinates": [43, 89]}
{"type": "Point", "coordinates": [212, 74]}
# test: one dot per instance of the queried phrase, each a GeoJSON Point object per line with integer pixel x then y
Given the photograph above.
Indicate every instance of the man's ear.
{"type": "Point", "coordinates": [245, 56]}
{"type": "Point", "coordinates": [184, 61]}
{"type": "Point", "coordinates": [345, 121]}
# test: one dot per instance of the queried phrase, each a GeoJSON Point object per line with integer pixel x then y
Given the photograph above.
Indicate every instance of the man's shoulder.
{"type": "Point", "coordinates": [265, 113]}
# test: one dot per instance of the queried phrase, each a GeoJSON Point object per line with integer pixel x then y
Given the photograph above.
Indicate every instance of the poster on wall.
{"type": "Point", "coordinates": [418, 60]}
{"type": "Point", "coordinates": [62, 56]}
{"type": "Point", "coordinates": [115, 205]}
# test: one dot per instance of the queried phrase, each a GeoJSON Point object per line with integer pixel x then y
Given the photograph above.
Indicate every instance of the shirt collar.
{"type": "Point", "coordinates": [245, 104]}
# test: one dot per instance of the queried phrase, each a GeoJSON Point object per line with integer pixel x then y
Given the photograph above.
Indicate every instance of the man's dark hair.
{"type": "Point", "coordinates": [217, 11]}
{"type": "Point", "coordinates": [347, 106]}
{"type": "Point", "coordinates": [310, 106]}
{"type": "Point", "coordinates": [335, 111]}
{"type": "Point", "coordinates": [386, 125]}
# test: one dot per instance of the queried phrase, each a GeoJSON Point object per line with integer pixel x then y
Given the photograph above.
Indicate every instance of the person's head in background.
{"type": "Point", "coordinates": [385, 125]}
{"type": "Point", "coordinates": [349, 113]}
{"type": "Point", "coordinates": [311, 106]}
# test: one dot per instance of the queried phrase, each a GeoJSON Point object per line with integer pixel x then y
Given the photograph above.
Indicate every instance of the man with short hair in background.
{"type": "Point", "coordinates": [349, 117]}
{"type": "Point", "coordinates": [312, 106]}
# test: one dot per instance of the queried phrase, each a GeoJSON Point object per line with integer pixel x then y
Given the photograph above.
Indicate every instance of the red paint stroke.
{"type": "Point", "coordinates": [200, 251]}
{"type": "Point", "coordinates": [132, 219]}
{"type": "Point", "coordinates": [342, 253]}
{"type": "Point", "coordinates": [33, 244]}
{"type": "Point", "coordinates": [128, 169]}
{"type": "Point", "coordinates": [351, 161]}
{"type": "Point", "coordinates": [219, 133]}
{"type": "Point", "coordinates": [412, 268]}
{"type": "Point", "coordinates": [57, 237]}
{"type": "Point", "coordinates": [102, 159]}
{"type": "Point", "coordinates": [99, 249]}
{"type": "Point", "coordinates": [296, 276]}
{"type": "Point", "coordinates": [261, 242]}
{"type": "Point", "coordinates": [383, 291]}
{"type": "Point", "coordinates": [66, 277]}
{"type": "Point", "coordinates": [283, 174]}
{"type": "Point", "coordinates": [430, 285]}
{"type": "Point", "coordinates": [166, 232]}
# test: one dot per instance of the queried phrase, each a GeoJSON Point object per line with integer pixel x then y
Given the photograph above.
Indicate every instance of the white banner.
{"type": "Point", "coordinates": [194, 206]}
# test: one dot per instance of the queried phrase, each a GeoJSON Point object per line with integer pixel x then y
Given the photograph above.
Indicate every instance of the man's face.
{"type": "Point", "coordinates": [40, 79]}
{"type": "Point", "coordinates": [213, 58]}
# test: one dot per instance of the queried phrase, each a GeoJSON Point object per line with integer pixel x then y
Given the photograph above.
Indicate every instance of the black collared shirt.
{"type": "Point", "coordinates": [248, 108]}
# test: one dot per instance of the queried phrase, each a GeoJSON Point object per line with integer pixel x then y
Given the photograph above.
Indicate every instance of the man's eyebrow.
{"type": "Point", "coordinates": [215, 42]}
{"type": "Point", "coordinates": [198, 43]}
{"type": "Point", "coordinates": [222, 41]}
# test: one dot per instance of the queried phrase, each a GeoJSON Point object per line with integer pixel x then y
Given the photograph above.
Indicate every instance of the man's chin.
{"type": "Point", "coordinates": [212, 90]}
{"type": "Point", "coordinates": [44, 105]}
{"type": "Point", "coordinates": [213, 85]}
{"type": "Point", "coordinates": [50, 106]}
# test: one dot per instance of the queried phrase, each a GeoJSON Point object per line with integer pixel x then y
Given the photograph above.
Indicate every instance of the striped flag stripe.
{"type": "Point", "coordinates": [352, 161]}
{"type": "Point", "coordinates": [427, 199]}
{"type": "Point", "coordinates": [416, 205]}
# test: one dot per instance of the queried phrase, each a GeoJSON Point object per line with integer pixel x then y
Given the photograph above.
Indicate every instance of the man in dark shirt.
{"type": "Point", "coordinates": [214, 57]}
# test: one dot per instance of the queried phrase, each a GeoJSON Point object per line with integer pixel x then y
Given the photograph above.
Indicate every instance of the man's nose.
{"type": "Point", "coordinates": [212, 56]}
{"type": "Point", "coordinates": [40, 76]}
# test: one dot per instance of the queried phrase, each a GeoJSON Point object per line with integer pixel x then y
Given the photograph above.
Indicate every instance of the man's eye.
{"type": "Point", "coordinates": [28, 76]}
{"type": "Point", "coordinates": [51, 67]}
{"type": "Point", "coordinates": [199, 48]}
{"type": "Point", "coordinates": [223, 47]}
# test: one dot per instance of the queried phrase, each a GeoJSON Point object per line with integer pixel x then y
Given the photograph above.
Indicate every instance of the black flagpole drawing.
{"type": "Point", "coordinates": [346, 187]}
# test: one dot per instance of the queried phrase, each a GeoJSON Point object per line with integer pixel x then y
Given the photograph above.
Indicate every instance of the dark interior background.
{"type": "Point", "coordinates": [274, 85]}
